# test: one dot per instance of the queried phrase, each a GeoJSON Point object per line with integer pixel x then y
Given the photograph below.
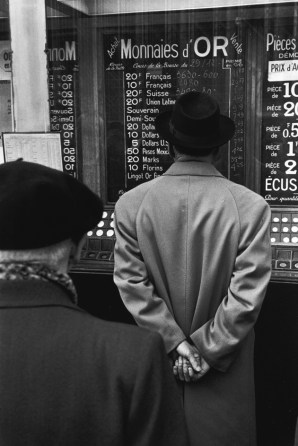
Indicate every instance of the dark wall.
{"type": "Point", "coordinates": [276, 366]}
{"type": "Point", "coordinates": [99, 296]}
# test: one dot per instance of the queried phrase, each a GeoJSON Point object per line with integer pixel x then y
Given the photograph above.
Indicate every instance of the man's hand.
{"type": "Point", "coordinates": [191, 353]}
{"type": "Point", "coordinates": [190, 366]}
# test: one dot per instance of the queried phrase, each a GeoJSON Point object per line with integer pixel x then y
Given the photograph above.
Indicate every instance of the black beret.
{"type": "Point", "coordinates": [40, 206]}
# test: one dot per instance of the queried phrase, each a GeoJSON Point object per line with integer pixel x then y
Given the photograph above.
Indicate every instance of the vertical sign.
{"type": "Point", "coordinates": [63, 97]}
{"type": "Point", "coordinates": [279, 179]}
{"type": "Point", "coordinates": [145, 75]}
{"type": "Point", "coordinates": [5, 92]}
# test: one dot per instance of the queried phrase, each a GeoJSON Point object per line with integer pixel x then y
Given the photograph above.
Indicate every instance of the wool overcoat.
{"type": "Point", "coordinates": [193, 258]}
{"type": "Point", "coordinates": [70, 379]}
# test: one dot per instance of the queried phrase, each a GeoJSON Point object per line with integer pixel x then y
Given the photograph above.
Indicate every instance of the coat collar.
{"type": "Point", "coordinates": [32, 293]}
{"type": "Point", "coordinates": [190, 166]}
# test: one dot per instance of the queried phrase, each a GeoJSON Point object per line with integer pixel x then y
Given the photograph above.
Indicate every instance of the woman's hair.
{"type": "Point", "coordinates": [51, 255]}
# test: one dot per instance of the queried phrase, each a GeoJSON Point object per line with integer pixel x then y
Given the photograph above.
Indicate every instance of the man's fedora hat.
{"type": "Point", "coordinates": [40, 206]}
{"type": "Point", "coordinates": [195, 122]}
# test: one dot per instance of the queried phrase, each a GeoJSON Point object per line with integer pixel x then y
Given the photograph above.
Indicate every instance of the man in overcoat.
{"type": "Point", "coordinates": [192, 262]}
{"type": "Point", "coordinates": [66, 377]}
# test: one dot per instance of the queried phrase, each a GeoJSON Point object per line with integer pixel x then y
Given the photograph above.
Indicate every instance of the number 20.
{"type": "Point", "coordinates": [290, 108]}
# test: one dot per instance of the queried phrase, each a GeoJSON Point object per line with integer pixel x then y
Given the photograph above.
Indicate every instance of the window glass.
{"type": "Point", "coordinates": [113, 68]}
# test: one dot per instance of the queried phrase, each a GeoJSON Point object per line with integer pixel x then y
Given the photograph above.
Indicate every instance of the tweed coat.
{"type": "Point", "coordinates": [193, 258]}
{"type": "Point", "coordinates": [68, 378]}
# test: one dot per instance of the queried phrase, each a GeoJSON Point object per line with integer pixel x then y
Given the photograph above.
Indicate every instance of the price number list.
{"type": "Point", "coordinates": [237, 149]}
{"type": "Point", "coordinates": [147, 155]}
{"type": "Point", "coordinates": [280, 143]}
{"type": "Point", "coordinates": [62, 112]}
{"type": "Point", "coordinates": [147, 92]}
{"type": "Point", "coordinates": [225, 80]}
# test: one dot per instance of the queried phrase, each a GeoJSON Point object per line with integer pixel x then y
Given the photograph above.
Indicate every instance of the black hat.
{"type": "Point", "coordinates": [40, 206]}
{"type": "Point", "coordinates": [195, 122]}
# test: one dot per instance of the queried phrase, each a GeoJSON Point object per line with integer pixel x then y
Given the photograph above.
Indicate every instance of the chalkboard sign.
{"type": "Point", "coordinates": [63, 93]}
{"type": "Point", "coordinates": [145, 73]}
{"type": "Point", "coordinates": [279, 177]}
